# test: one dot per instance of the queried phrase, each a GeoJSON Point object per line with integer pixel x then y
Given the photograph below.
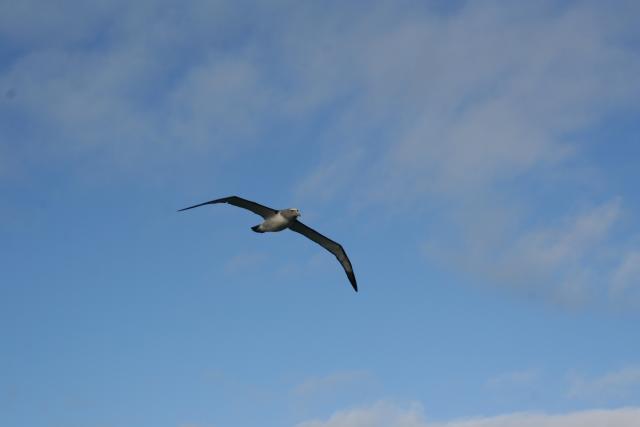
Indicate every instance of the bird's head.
{"type": "Point", "coordinates": [292, 213]}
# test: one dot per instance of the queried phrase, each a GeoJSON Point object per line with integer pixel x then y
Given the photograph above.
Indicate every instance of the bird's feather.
{"type": "Point", "coordinates": [295, 225]}
{"type": "Point", "coordinates": [334, 247]}
{"type": "Point", "coordinates": [264, 211]}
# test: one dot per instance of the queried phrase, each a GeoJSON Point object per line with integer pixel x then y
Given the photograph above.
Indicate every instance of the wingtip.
{"type": "Point", "coordinates": [352, 280]}
{"type": "Point", "coordinates": [195, 206]}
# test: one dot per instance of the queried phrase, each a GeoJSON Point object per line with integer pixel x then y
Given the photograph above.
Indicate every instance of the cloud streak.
{"type": "Point", "coordinates": [477, 108]}
{"type": "Point", "coordinates": [615, 384]}
{"type": "Point", "coordinates": [392, 415]}
{"type": "Point", "coordinates": [482, 109]}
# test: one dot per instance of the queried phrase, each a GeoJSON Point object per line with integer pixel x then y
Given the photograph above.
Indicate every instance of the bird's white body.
{"type": "Point", "coordinates": [279, 221]}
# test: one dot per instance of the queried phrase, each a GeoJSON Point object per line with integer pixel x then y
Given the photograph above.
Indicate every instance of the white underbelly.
{"type": "Point", "coordinates": [275, 223]}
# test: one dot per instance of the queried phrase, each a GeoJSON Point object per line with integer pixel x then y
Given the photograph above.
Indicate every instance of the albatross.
{"type": "Point", "coordinates": [278, 220]}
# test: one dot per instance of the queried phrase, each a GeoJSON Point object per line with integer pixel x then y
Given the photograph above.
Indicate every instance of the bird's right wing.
{"type": "Point", "coordinates": [334, 247]}
{"type": "Point", "coordinates": [254, 207]}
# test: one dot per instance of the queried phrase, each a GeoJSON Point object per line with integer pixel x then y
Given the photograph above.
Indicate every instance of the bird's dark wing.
{"type": "Point", "coordinates": [254, 207]}
{"type": "Point", "coordinates": [333, 247]}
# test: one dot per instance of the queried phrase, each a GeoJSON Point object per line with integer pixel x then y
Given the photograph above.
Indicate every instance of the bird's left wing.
{"type": "Point", "coordinates": [254, 207]}
{"type": "Point", "coordinates": [333, 247]}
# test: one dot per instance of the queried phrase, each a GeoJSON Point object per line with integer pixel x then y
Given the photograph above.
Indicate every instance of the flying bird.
{"type": "Point", "coordinates": [278, 220]}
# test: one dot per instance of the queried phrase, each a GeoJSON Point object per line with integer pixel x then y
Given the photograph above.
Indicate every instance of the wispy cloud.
{"type": "Point", "coordinates": [615, 384]}
{"type": "Point", "coordinates": [560, 260]}
{"type": "Point", "coordinates": [381, 414]}
{"type": "Point", "coordinates": [625, 285]}
{"type": "Point", "coordinates": [320, 394]}
{"type": "Point", "coordinates": [95, 81]}
{"type": "Point", "coordinates": [478, 111]}
{"type": "Point", "coordinates": [477, 108]}
{"type": "Point", "coordinates": [386, 414]}
{"type": "Point", "coordinates": [625, 417]}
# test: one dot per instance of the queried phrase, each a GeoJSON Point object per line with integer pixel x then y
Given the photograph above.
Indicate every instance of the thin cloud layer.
{"type": "Point", "coordinates": [480, 111]}
{"type": "Point", "coordinates": [382, 414]}
{"type": "Point", "coordinates": [626, 277]}
{"type": "Point", "coordinates": [478, 107]}
{"type": "Point", "coordinates": [390, 415]}
{"type": "Point", "coordinates": [616, 384]}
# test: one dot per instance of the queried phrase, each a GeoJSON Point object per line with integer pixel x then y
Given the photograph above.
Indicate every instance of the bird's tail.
{"type": "Point", "coordinates": [256, 228]}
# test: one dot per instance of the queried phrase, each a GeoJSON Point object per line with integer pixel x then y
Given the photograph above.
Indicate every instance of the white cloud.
{"type": "Point", "coordinates": [389, 415]}
{"type": "Point", "coordinates": [187, 83]}
{"type": "Point", "coordinates": [477, 111]}
{"type": "Point", "coordinates": [474, 109]}
{"type": "Point", "coordinates": [616, 384]}
{"type": "Point", "coordinates": [626, 278]}
{"type": "Point", "coordinates": [322, 184]}
{"type": "Point", "coordinates": [625, 417]}
{"type": "Point", "coordinates": [33, 23]}
{"type": "Point", "coordinates": [562, 260]}
{"type": "Point", "coordinates": [567, 261]}
{"type": "Point", "coordinates": [381, 414]}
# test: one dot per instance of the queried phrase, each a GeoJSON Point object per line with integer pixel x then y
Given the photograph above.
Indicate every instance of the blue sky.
{"type": "Point", "coordinates": [478, 161]}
